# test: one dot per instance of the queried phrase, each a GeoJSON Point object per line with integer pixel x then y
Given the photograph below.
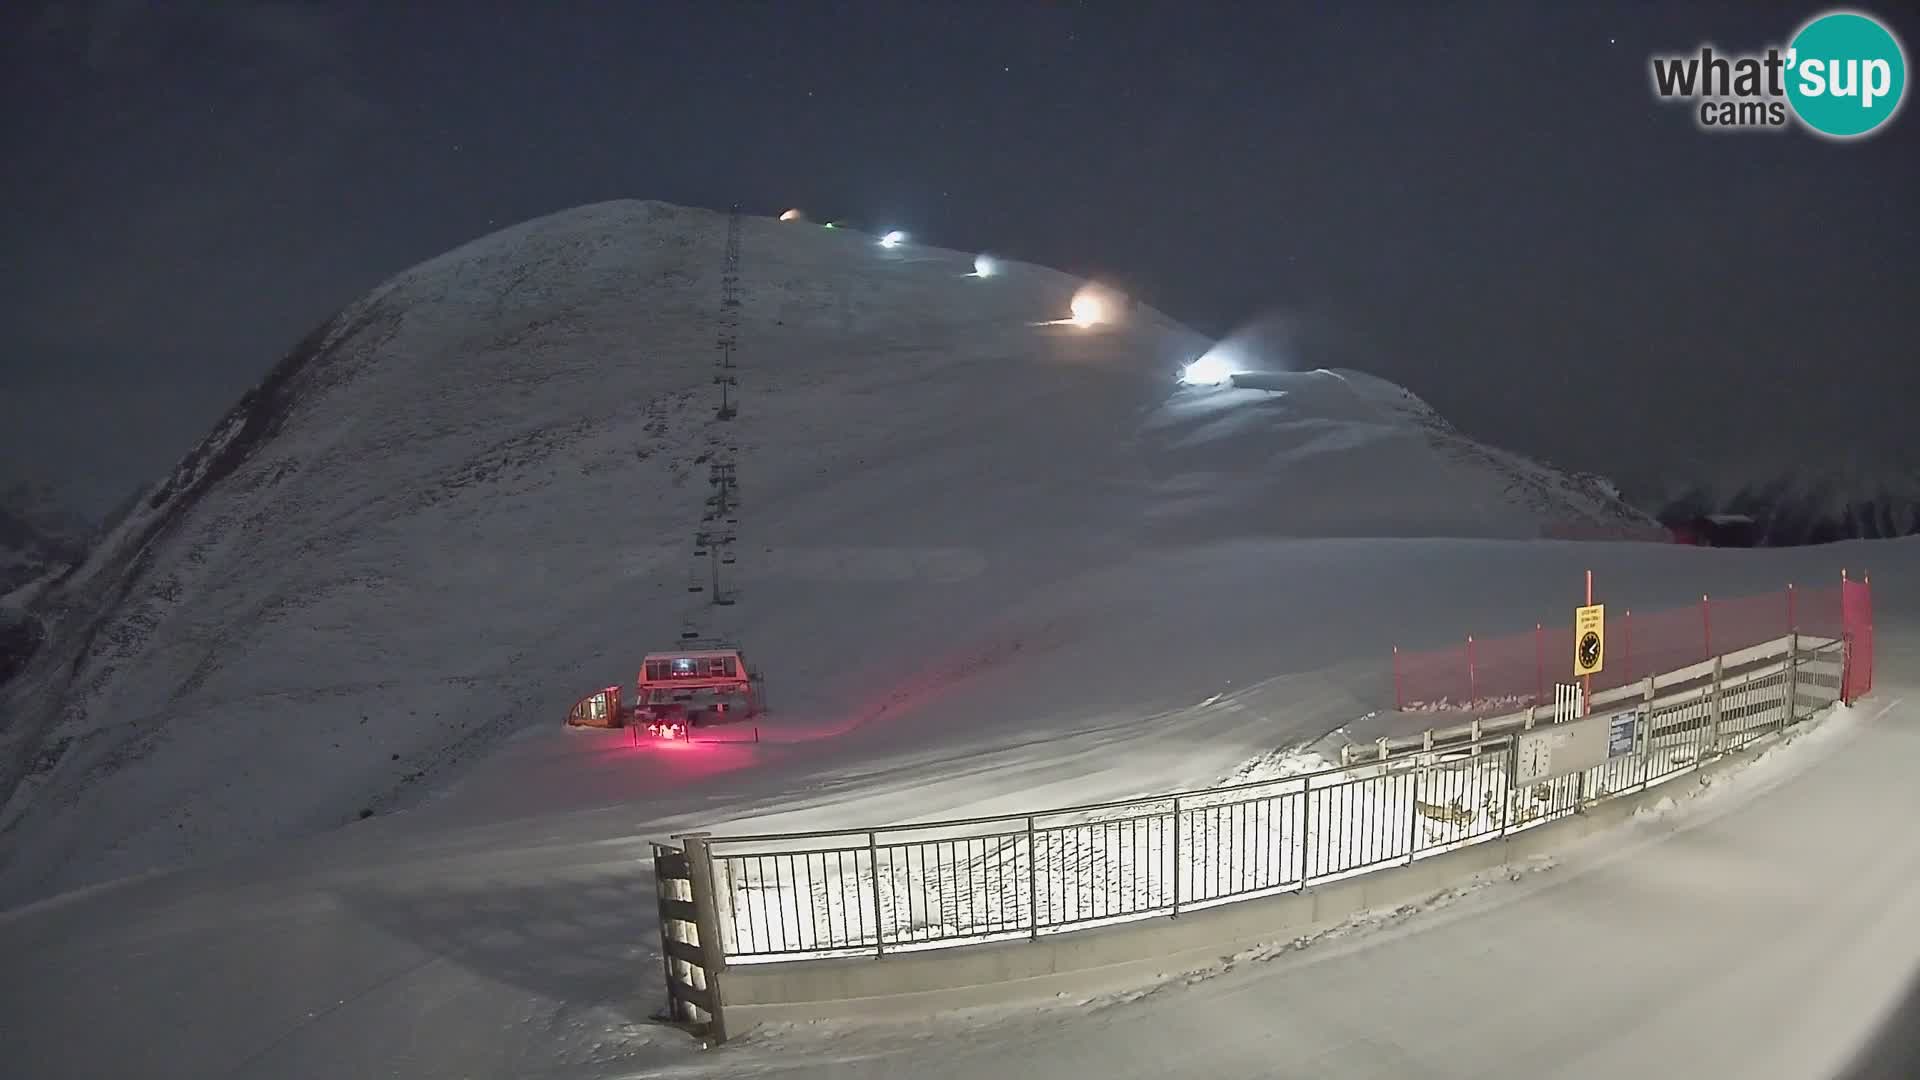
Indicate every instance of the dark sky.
{"type": "Point", "coordinates": [1480, 201]}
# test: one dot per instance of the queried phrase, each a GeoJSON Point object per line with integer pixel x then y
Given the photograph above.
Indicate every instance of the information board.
{"type": "Point", "coordinates": [1620, 732]}
{"type": "Point", "coordinates": [1548, 753]}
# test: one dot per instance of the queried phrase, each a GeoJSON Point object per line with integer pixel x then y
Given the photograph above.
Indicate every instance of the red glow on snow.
{"type": "Point", "coordinates": [937, 679]}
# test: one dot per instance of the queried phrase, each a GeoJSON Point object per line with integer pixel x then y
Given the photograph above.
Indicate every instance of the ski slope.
{"type": "Point", "coordinates": [471, 498]}
{"type": "Point", "coordinates": [988, 564]}
{"type": "Point", "coordinates": [446, 942]}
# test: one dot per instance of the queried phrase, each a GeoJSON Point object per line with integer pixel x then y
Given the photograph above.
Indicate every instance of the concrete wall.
{"type": "Point", "coordinates": [909, 984]}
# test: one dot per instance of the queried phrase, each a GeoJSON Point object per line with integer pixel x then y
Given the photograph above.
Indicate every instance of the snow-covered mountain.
{"type": "Point", "coordinates": [38, 535]}
{"type": "Point", "coordinates": [39, 540]}
{"type": "Point", "coordinates": [473, 494]}
{"type": "Point", "coordinates": [1847, 501]}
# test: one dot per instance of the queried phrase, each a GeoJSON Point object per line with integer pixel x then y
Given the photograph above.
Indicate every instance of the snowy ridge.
{"type": "Point", "coordinates": [1815, 503]}
{"type": "Point", "coordinates": [463, 502]}
{"type": "Point", "coordinates": [39, 542]}
{"type": "Point", "coordinates": [1305, 443]}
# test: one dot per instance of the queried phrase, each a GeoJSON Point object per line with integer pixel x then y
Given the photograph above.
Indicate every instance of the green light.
{"type": "Point", "coordinates": [828, 225]}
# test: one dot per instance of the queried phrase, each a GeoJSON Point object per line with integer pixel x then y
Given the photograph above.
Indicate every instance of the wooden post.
{"type": "Point", "coordinates": [707, 927]}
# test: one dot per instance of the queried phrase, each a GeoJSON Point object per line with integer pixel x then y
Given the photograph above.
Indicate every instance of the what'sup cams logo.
{"type": "Point", "coordinates": [1842, 76]}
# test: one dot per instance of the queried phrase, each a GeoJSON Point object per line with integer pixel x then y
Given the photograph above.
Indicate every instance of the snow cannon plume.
{"type": "Point", "coordinates": [1267, 346]}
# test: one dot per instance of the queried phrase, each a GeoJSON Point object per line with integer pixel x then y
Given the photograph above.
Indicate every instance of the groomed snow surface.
{"type": "Point", "coordinates": [1292, 818]}
{"type": "Point", "coordinates": [1757, 927]}
{"type": "Point", "coordinates": [989, 566]}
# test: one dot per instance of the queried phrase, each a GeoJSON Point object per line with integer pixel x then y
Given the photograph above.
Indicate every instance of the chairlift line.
{"type": "Point", "coordinates": [667, 709]}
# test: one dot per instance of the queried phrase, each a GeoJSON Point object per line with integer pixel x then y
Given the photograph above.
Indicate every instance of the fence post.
{"type": "Point", "coordinates": [879, 929]}
{"type": "Point", "coordinates": [1413, 813]}
{"type": "Point", "coordinates": [1306, 834]}
{"type": "Point", "coordinates": [1706, 621]}
{"type": "Point", "coordinates": [1176, 855]}
{"type": "Point", "coordinates": [1846, 666]}
{"type": "Point", "coordinates": [1539, 661]}
{"type": "Point", "coordinates": [1715, 706]}
{"type": "Point", "coordinates": [1793, 677]}
{"type": "Point", "coordinates": [1033, 883]}
{"type": "Point", "coordinates": [1510, 765]}
{"type": "Point", "coordinates": [1473, 678]}
{"type": "Point", "coordinates": [707, 927]}
{"type": "Point", "coordinates": [1399, 697]}
{"type": "Point", "coordinates": [1646, 722]}
{"type": "Point", "coordinates": [1626, 644]}
{"type": "Point", "coordinates": [1793, 620]}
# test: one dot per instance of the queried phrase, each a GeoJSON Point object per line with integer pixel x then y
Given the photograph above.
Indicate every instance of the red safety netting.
{"type": "Point", "coordinates": [1485, 675]}
{"type": "Point", "coordinates": [1857, 605]}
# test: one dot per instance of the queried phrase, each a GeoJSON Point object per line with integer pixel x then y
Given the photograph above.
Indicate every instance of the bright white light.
{"type": "Point", "coordinates": [893, 239]}
{"type": "Point", "coordinates": [983, 266]}
{"type": "Point", "coordinates": [1209, 370]}
{"type": "Point", "coordinates": [1088, 309]}
{"type": "Point", "coordinates": [792, 215]}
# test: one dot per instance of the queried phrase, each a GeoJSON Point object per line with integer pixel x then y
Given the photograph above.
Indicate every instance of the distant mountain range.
{"type": "Point", "coordinates": [1806, 507]}
{"type": "Point", "coordinates": [38, 536]}
{"type": "Point", "coordinates": [39, 540]}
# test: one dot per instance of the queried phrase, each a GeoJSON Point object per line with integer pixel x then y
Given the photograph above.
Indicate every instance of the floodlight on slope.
{"type": "Point", "coordinates": [1089, 308]}
{"type": "Point", "coordinates": [1209, 370]}
{"type": "Point", "coordinates": [983, 266]}
{"type": "Point", "coordinates": [793, 215]}
{"type": "Point", "coordinates": [893, 239]}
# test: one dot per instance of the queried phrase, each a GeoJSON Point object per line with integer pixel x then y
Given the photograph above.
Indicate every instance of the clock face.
{"type": "Point", "coordinates": [1589, 649]}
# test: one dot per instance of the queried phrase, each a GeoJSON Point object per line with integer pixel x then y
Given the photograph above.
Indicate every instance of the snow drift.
{"type": "Point", "coordinates": [470, 497]}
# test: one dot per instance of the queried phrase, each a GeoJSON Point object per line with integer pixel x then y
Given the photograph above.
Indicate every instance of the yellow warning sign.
{"type": "Point", "coordinates": [1589, 639]}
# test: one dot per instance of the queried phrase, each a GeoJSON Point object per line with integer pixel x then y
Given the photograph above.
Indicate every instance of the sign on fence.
{"type": "Point", "coordinates": [1620, 732]}
{"type": "Point", "coordinates": [1548, 753]}
{"type": "Point", "coordinates": [1589, 639]}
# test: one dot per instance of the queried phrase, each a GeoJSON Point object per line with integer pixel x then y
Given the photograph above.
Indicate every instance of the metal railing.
{"type": "Point", "coordinates": [881, 890]}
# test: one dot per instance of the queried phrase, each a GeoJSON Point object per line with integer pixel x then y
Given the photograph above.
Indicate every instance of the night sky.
{"type": "Point", "coordinates": [1483, 202]}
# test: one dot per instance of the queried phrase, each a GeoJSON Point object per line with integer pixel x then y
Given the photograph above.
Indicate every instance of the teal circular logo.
{"type": "Point", "coordinates": [1846, 74]}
